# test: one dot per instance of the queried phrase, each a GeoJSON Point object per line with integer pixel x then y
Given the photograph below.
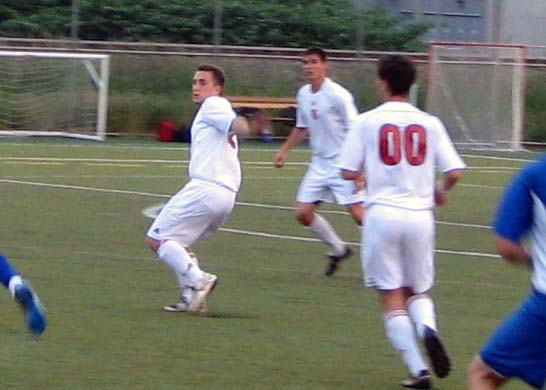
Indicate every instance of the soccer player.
{"type": "Point", "coordinates": [518, 347]}
{"type": "Point", "coordinates": [325, 112]}
{"type": "Point", "coordinates": [206, 201]}
{"type": "Point", "coordinates": [400, 146]}
{"type": "Point", "coordinates": [21, 290]}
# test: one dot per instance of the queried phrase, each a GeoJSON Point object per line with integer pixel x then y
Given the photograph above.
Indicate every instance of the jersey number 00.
{"type": "Point", "coordinates": [414, 144]}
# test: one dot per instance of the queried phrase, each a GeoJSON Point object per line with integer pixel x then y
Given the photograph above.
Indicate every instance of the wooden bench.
{"type": "Point", "coordinates": [262, 111]}
{"type": "Point", "coordinates": [262, 102]}
{"type": "Point", "coordinates": [274, 104]}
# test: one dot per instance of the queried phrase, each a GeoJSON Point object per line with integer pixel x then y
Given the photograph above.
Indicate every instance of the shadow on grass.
{"type": "Point", "coordinates": [227, 315]}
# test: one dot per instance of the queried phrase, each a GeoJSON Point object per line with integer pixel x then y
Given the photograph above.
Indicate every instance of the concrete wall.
{"type": "Point", "coordinates": [523, 21]}
{"type": "Point", "coordinates": [510, 21]}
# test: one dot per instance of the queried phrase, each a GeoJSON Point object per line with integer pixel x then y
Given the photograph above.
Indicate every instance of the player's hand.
{"type": "Point", "coordinates": [440, 195]}
{"type": "Point", "coordinates": [279, 160]}
{"type": "Point", "coordinates": [360, 182]}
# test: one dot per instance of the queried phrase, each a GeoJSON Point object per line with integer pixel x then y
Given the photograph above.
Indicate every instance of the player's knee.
{"type": "Point", "coordinates": [479, 375]}
{"type": "Point", "coordinates": [358, 217]}
{"type": "Point", "coordinates": [153, 244]}
{"type": "Point", "coordinates": [357, 213]}
{"type": "Point", "coordinates": [304, 217]}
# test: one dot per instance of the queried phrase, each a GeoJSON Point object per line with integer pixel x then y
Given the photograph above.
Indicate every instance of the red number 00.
{"type": "Point", "coordinates": [390, 144]}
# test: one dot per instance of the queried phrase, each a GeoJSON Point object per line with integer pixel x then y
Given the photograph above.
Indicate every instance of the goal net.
{"type": "Point", "coordinates": [478, 92]}
{"type": "Point", "coordinates": [53, 94]}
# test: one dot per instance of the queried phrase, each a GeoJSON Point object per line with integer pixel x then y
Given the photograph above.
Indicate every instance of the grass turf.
{"type": "Point", "coordinates": [72, 223]}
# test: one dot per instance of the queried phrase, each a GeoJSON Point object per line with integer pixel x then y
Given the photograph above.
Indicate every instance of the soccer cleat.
{"type": "Point", "coordinates": [421, 381]}
{"type": "Point", "coordinates": [33, 309]}
{"type": "Point", "coordinates": [201, 291]}
{"type": "Point", "coordinates": [177, 307]}
{"type": "Point", "coordinates": [335, 261]}
{"type": "Point", "coordinates": [182, 307]}
{"type": "Point", "coordinates": [437, 353]}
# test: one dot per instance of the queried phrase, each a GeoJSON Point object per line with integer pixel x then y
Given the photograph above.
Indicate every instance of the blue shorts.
{"type": "Point", "coordinates": [518, 346]}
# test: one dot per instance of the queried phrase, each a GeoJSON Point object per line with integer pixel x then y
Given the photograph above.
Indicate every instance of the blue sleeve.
{"type": "Point", "coordinates": [515, 212]}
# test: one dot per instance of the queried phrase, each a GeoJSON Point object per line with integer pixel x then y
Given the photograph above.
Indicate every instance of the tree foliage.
{"type": "Point", "coordinates": [298, 23]}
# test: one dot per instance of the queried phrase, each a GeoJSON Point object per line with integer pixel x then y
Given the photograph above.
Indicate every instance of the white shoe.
{"type": "Point", "coordinates": [203, 288]}
{"type": "Point", "coordinates": [182, 307]}
{"type": "Point", "coordinates": [177, 307]}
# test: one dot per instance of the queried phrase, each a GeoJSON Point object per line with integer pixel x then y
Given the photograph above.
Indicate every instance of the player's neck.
{"type": "Point", "coordinates": [397, 98]}
{"type": "Point", "coordinates": [317, 83]}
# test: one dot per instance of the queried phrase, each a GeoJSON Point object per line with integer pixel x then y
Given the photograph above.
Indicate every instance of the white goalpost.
{"type": "Point", "coordinates": [54, 94]}
{"type": "Point", "coordinates": [478, 90]}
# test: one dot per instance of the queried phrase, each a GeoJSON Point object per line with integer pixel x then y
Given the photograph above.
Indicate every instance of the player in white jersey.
{"type": "Point", "coordinates": [399, 147]}
{"type": "Point", "coordinates": [206, 201]}
{"type": "Point", "coordinates": [325, 112]}
{"type": "Point", "coordinates": [517, 349]}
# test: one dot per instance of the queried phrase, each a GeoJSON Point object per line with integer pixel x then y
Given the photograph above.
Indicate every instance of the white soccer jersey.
{"type": "Point", "coordinates": [399, 147]}
{"type": "Point", "coordinates": [327, 114]}
{"type": "Point", "coordinates": [213, 149]}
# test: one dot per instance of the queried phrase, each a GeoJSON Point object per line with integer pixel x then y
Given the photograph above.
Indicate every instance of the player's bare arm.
{"type": "Point", "coordinates": [450, 179]}
{"type": "Point", "coordinates": [360, 181]}
{"type": "Point", "coordinates": [350, 175]}
{"type": "Point", "coordinates": [513, 252]}
{"type": "Point", "coordinates": [241, 127]}
{"type": "Point", "coordinates": [296, 136]}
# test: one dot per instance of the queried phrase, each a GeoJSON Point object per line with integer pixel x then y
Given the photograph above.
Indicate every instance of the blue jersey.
{"type": "Point", "coordinates": [522, 211]}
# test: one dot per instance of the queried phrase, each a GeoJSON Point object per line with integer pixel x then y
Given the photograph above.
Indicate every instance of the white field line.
{"type": "Point", "coordinates": [82, 188]}
{"type": "Point", "coordinates": [218, 264]}
{"type": "Point", "coordinates": [501, 169]}
{"type": "Point", "coordinates": [129, 161]}
{"type": "Point", "coordinates": [260, 164]}
{"type": "Point", "coordinates": [181, 176]}
{"type": "Point", "coordinates": [141, 147]}
{"type": "Point", "coordinates": [150, 194]}
{"type": "Point", "coordinates": [481, 186]}
{"type": "Point", "coordinates": [236, 231]}
{"type": "Point", "coordinates": [497, 158]}
{"type": "Point", "coordinates": [488, 168]}
{"type": "Point", "coordinates": [309, 239]}
{"type": "Point", "coordinates": [243, 149]}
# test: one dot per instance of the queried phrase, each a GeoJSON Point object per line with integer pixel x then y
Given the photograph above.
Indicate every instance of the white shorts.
{"type": "Point", "coordinates": [323, 183]}
{"type": "Point", "coordinates": [398, 248]}
{"type": "Point", "coordinates": [198, 210]}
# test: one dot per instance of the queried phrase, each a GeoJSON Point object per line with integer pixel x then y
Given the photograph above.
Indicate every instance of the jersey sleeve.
{"type": "Point", "coordinates": [301, 119]}
{"type": "Point", "coordinates": [447, 157]}
{"type": "Point", "coordinates": [514, 215]}
{"type": "Point", "coordinates": [217, 112]}
{"type": "Point", "coordinates": [346, 107]}
{"type": "Point", "coordinates": [352, 151]}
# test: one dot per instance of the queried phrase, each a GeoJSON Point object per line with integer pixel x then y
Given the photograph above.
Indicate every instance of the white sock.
{"type": "Point", "coordinates": [322, 229]}
{"type": "Point", "coordinates": [14, 282]}
{"type": "Point", "coordinates": [400, 333]}
{"type": "Point", "coordinates": [187, 294]}
{"type": "Point", "coordinates": [175, 256]}
{"type": "Point", "coordinates": [421, 311]}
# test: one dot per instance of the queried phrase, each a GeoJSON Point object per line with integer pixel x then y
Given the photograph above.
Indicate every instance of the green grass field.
{"type": "Point", "coordinates": [72, 223]}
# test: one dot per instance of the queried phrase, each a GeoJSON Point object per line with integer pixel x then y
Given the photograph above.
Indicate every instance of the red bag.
{"type": "Point", "coordinates": [166, 131]}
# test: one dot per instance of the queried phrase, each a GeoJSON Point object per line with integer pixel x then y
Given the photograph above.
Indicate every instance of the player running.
{"type": "Point", "coordinates": [399, 146]}
{"type": "Point", "coordinates": [517, 349]}
{"type": "Point", "coordinates": [325, 113]}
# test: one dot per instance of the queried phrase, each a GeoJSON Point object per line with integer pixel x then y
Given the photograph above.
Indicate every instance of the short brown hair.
{"type": "Point", "coordinates": [398, 71]}
{"type": "Point", "coordinates": [318, 52]}
{"type": "Point", "coordinates": [217, 73]}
